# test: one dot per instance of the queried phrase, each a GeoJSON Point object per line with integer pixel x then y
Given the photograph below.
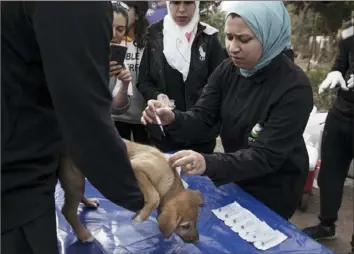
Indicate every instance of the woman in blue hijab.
{"type": "Point", "coordinates": [263, 101]}
{"type": "Point", "coordinates": [267, 23]}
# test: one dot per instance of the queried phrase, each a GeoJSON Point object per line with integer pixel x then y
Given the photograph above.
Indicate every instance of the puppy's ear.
{"type": "Point", "coordinates": [168, 221]}
{"type": "Point", "coordinates": [196, 197]}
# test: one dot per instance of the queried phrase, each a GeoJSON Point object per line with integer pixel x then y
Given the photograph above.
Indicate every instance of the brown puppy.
{"type": "Point", "coordinates": [161, 185]}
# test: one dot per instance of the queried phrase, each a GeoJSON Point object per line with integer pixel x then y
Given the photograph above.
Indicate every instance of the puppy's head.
{"type": "Point", "coordinates": [180, 215]}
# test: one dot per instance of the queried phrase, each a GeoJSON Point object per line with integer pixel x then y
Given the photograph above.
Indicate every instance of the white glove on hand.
{"type": "Point", "coordinates": [332, 80]}
{"type": "Point", "coordinates": [351, 81]}
{"type": "Point", "coordinates": [163, 98]}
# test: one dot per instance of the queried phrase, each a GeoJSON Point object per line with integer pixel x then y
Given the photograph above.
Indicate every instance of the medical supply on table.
{"type": "Point", "coordinates": [249, 227]}
{"type": "Point", "coordinates": [250, 234]}
{"type": "Point", "coordinates": [223, 212]}
{"type": "Point", "coordinates": [244, 224]}
{"type": "Point", "coordinates": [270, 241]}
{"type": "Point", "coordinates": [237, 217]}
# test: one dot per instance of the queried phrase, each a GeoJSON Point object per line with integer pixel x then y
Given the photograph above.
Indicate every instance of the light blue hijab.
{"type": "Point", "coordinates": [270, 23]}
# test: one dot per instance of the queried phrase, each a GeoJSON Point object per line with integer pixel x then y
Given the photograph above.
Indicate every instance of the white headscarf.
{"type": "Point", "coordinates": [177, 48]}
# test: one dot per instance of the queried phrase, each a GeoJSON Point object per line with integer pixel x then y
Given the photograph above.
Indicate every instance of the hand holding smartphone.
{"type": "Point", "coordinates": [118, 53]}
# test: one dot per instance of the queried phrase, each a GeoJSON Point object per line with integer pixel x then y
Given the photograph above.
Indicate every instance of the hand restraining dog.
{"type": "Point", "coordinates": [161, 185]}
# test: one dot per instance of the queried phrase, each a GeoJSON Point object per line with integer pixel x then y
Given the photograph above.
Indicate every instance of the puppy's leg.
{"type": "Point", "coordinates": [90, 202]}
{"type": "Point", "coordinates": [151, 196]}
{"type": "Point", "coordinates": [73, 183]}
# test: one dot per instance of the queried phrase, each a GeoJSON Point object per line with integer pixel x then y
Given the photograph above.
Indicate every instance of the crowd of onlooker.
{"type": "Point", "coordinates": [251, 94]}
{"type": "Point", "coordinates": [177, 66]}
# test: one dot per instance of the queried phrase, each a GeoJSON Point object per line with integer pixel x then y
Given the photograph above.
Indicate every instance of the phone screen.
{"type": "Point", "coordinates": [118, 53]}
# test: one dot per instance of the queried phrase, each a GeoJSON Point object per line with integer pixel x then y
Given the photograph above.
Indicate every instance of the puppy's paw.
{"type": "Point", "coordinates": [89, 239]}
{"type": "Point", "coordinates": [92, 203]}
{"type": "Point", "coordinates": [85, 236]}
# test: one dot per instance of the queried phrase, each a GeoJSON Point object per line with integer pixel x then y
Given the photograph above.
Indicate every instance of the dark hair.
{"type": "Point", "coordinates": [141, 23]}
{"type": "Point", "coordinates": [120, 9]}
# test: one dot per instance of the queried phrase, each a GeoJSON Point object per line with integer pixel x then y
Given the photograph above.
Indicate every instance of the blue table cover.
{"type": "Point", "coordinates": [114, 233]}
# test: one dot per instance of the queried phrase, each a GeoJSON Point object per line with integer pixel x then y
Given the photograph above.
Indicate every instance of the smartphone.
{"type": "Point", "coordinates": [118, 53]}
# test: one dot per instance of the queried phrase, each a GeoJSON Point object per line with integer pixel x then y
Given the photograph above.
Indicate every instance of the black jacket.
{"type": "Point", "coordinates": [272, 166]}
{"type": "Point", "coordinates": [344, 63]}
{"type": "Point", "coordinates": [55, 83]}
{"type": "Point", "coordinates": [155, 78]}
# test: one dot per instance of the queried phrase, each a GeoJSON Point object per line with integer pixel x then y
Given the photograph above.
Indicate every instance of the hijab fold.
{"type": "Point", "coordinates": [178, 40]}
{"type": "Point", "coordinates": [270, 23]}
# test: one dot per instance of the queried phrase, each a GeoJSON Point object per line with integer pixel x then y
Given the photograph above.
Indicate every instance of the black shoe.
{"type": "Point", "coordinates": [321, 232]}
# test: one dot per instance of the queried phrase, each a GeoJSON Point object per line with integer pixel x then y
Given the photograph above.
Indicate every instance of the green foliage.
{"type": "Point", "coordinates": [210, 13]}
{"type": "Point", "coordinates": [217, 20]}
{"type": "Point", "coordinates": [208, 8]}
{"type": "Point", "coordinates": [323, 101]}
{"type": "Point", "coordinates": [331, 14]}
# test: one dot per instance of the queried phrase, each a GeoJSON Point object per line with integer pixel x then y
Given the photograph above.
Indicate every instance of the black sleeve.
{"type": "Point", "coordinates": [145, 85]}
{"type": "Point", "coordinates": [281, 132]}
{"type": "Point", "coordinates": [196, 123]}
{"type": "Point", "coordinates": [73, 39]}
{"type": "Point", "coordinates": [341, 63]}
{"type": "Point", "coordinates": [217, 53]}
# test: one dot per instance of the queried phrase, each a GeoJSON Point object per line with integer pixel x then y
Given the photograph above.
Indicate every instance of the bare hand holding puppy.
{"type": "Point", "coordinates": [162, 187]}
{"type": "Point", "coordinates": [191, 163]}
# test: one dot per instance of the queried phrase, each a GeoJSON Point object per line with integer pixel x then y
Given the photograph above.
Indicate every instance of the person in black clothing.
{"type": "Point", "coordinates": [337, 140]}
{"type": "Point", "coordinates": [263, 101]}
{"type": "Point", "coordinates": [55, 71]}
{"type": "Point", "coordinates": [179, 57]}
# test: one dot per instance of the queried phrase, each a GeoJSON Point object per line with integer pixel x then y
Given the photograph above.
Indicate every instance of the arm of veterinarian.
{"type": "Point", "coordinates": [77, 68]}
{"type": "Point", "coordinates": [194, 123]}
{"type": "Point", "coordinates": [265, 153]}
{"type": "Point", "coordinates": [281, 132]}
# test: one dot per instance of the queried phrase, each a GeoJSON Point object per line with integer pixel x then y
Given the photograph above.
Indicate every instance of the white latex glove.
{"type": "Point", "coordinates": [332, 80]}
{"type": "Point", "coordinates": [351, 81]}
{"type": "Point", "coordinates": [167, 101]}
{"type": "Point", "coordinates": [163, 98]}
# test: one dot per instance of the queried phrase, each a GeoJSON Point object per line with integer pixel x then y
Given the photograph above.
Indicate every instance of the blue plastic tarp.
{"type": "Point", "coordinates": [114, 233]}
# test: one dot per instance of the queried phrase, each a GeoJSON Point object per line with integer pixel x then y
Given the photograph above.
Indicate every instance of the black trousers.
{"type": "Point", "coordinates": [36, 237]}
{"type": "Point", "coordinates": [138, 130]}
{"type": "Point", "coordinates": [336, 156]}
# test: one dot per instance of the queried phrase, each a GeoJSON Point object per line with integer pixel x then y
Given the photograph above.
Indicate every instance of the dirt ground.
{"type": "Point", "coordinates": [344, 224]}
{"type": "Point", "coordinates": [341, 245]}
